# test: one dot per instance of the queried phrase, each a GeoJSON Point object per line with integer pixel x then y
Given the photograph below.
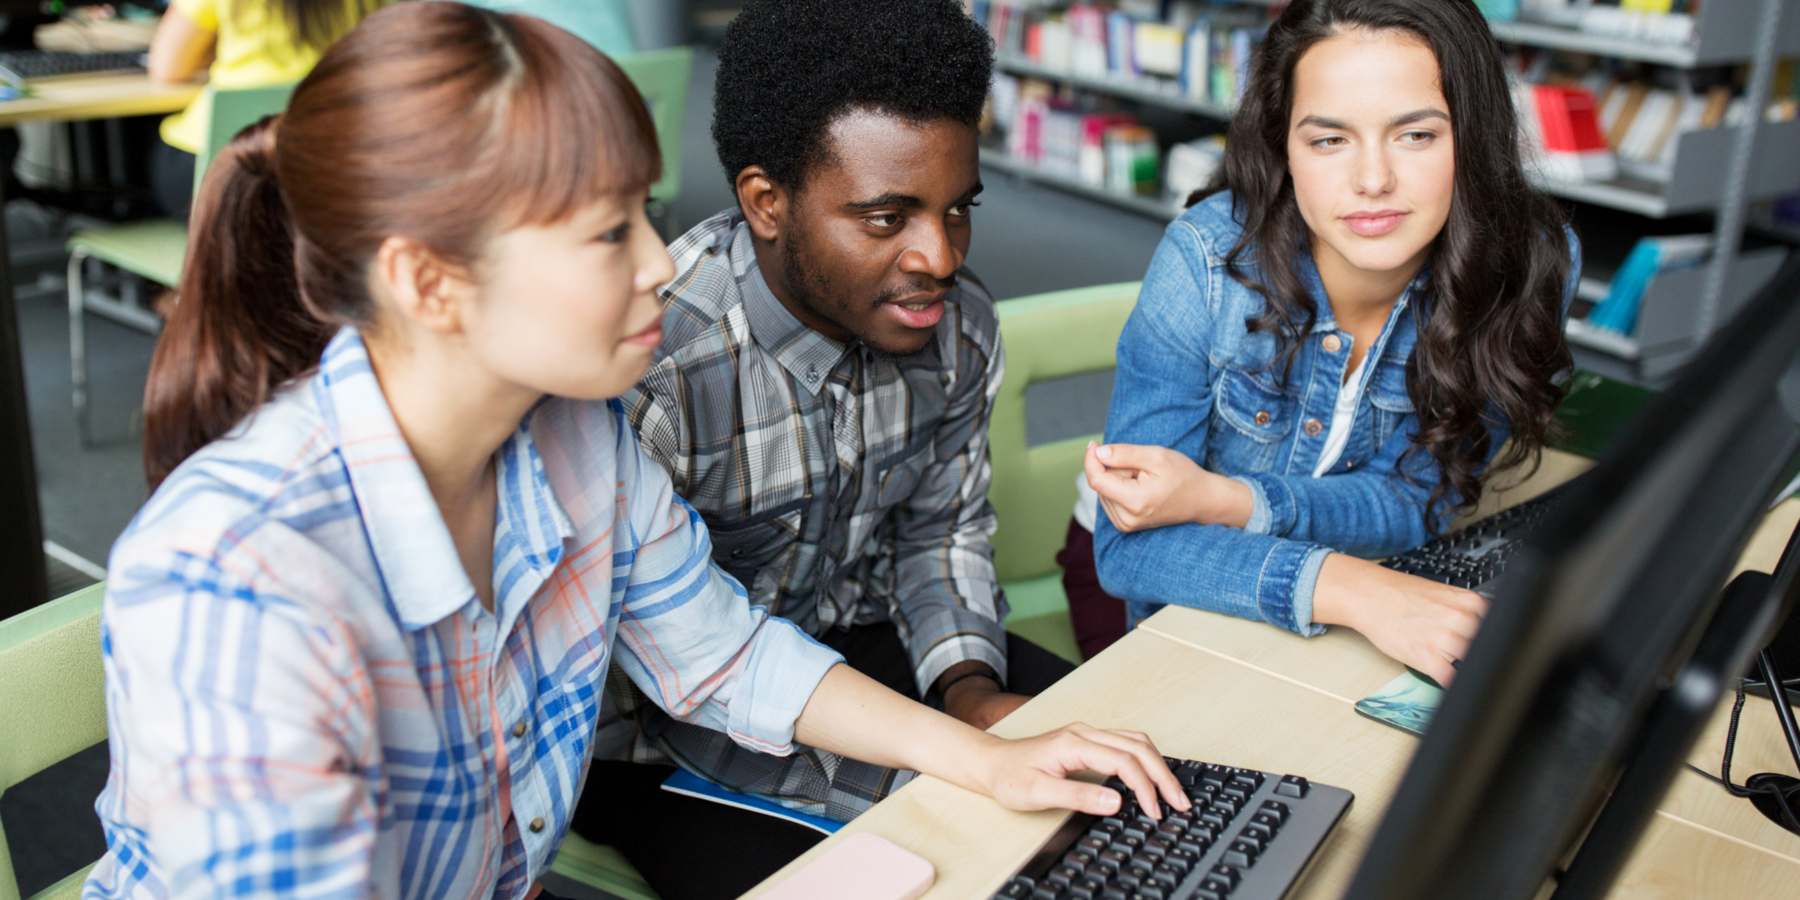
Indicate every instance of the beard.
{"type": "Point", "coordinates": [808, 286]}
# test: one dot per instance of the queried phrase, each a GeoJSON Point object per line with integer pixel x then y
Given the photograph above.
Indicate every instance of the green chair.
{"type": "Point", "coordinates": [662, 76]}
{"type": "Point", "coordinates": [152, 249]}
{"type": "Point", "coordinates": [1047, 336]}
{"type": "Point", "coordinates": [52, 704]}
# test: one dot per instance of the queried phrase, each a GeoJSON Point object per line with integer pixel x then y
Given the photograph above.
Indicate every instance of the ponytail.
{"type": "Point", "coordinates": [239, 328]}
{"type": "Point", "coordinates": [438, 121]}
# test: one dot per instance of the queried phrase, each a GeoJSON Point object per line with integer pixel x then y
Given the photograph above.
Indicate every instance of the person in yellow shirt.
{"type": "Point", "coordinates": [241, 43]}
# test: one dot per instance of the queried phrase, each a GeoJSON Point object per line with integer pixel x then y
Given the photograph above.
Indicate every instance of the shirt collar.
{"type": "Point", "coordinates": [807, 355]}
{"type": "Point", "coordinates": [418, 561]}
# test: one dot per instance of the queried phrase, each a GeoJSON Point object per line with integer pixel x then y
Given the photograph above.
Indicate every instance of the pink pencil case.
{"type": "Point", "coordinates": [863, 867]}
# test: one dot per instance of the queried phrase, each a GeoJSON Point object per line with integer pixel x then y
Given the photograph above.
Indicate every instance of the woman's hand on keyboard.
{"type": "Point", "coordinates": [1032, 773]}
{"type": "Point", "coordinates": [1421, 623]}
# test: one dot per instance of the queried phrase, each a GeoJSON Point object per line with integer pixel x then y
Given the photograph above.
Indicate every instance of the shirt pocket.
{"type": "Point", "coordinates": [1253, 418]}
{"type": "Point", "coordinates": [744, 546]}
{"type": "Point", "coordinates": [1389, 400]}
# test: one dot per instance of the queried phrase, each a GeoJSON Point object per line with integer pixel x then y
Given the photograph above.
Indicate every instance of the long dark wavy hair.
{"type": "Point", "coordinates": [1490, 344]}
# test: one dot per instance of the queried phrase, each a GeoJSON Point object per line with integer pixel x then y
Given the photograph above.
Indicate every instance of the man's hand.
{"type": "Point", "coordinates": [1421, 623]}
{"type": "Point", "coordinates": [1144, 487]}
{"type": "Point", "coordinates": [978, 700]}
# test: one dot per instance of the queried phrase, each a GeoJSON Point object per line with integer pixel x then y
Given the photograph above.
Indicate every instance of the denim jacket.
{"type": "Point", "coordinates": [1193, 378]}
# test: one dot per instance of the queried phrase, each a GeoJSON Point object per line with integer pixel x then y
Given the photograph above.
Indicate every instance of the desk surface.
{"type": "Point", "coordinates": [97, 97]}
{"type": "Point", "coordinates": [1226, 690]}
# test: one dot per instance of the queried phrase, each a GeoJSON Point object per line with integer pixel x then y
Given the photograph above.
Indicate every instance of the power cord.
{"type": "Point", "coordinates": [1778, 793]}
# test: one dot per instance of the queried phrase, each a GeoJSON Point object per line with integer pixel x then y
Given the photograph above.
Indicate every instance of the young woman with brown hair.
{"type": "Point", "coordinates": [356, 641]}
{"type": "Point", "coordinates": [1332, 346]}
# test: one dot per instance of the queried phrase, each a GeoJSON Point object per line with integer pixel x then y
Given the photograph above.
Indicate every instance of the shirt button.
{"type": "Point", "coordinates": [1262, 418]}
{"type": "Point", "coordinates": [519, 730]}
{"type": "Point", "coordinates": [1313, 427]}
{"type": "Point", "coordinates": [1332, 344]}
{"type": "Point", "coordinates": [537, 824]}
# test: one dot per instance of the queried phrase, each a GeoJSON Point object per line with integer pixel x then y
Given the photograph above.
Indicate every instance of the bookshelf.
{"type": "Point", "coordinates": [997, 159]}
{"type": "Point", "coordinates": [1718, 170]}
{"type": "Point", "coordinates": [1137, 90]}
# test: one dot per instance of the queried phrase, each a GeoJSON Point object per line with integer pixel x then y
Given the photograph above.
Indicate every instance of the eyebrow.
{"type": "Point", "coordinates": [1417, 115]}
{"type": "Point", "coordinates": [904, 201]}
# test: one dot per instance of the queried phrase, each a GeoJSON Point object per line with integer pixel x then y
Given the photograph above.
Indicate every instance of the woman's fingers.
{"type": "Point", "coordinates": [1148, 757]}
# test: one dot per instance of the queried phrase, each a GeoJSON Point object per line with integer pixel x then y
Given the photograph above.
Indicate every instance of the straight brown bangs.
{"type": "Point", "coordinates": [576, 128]}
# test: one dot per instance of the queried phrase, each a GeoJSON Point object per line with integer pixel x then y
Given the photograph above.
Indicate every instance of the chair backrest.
{"type": "Point", "coordinates": [1047, 336]}
{"type": "Point", "coordinates": [52, 700]}
{"type": "Point", "coordinates": [230, 111]}
{"type": "Point", "coordinates": [662, 77]}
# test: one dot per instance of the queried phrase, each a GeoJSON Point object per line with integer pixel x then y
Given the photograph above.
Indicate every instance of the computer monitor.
{"type": "Point", "coordinates": [1608, 645]}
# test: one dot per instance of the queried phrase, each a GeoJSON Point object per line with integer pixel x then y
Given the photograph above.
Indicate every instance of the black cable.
{"type": "Point", "coordinates": [1770, 789]}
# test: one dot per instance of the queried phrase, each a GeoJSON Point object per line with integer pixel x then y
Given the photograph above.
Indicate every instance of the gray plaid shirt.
{"type": "Point", "coordinates": [841, 485]}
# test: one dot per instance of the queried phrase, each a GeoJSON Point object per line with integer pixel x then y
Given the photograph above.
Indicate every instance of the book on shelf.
{"type": "Point", "coordinates": [1617, 311]}
{"type": "Point", "coordinates": [1663, 22]}
{"type": "Point", "coordinates": [1200, 51]}
{"type": "Point", "coordinates": [1568, 139]}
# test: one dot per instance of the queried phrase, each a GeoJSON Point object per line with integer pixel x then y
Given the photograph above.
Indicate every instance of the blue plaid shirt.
{"type": "Point", "coordinates": [306, 699]}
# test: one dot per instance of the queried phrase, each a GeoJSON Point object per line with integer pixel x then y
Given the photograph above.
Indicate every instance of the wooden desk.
{"type": "Point", "coordinates": [98, 97]}
{"type": "Point", "coordinates": [1221, 689]}
{"type": "Point", "coordinates": [21, 533]}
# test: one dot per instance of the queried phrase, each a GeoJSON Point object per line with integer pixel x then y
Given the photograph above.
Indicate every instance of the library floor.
{"type": "Point", "coordinates": [1028, 240]}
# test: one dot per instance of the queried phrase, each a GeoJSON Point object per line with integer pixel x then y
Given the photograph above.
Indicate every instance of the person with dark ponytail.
{"type": "Point", "coordinates": [1332, 347]}
{"type": "Point", "coordinates": [356, 642]}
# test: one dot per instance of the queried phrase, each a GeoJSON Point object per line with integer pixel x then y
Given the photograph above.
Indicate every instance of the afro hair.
{"type": "Point", "coordinates": [788, 69]}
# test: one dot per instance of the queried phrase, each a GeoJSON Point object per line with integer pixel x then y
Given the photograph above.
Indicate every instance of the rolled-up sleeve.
{"type": "Point", "coordinates": [688, 635]}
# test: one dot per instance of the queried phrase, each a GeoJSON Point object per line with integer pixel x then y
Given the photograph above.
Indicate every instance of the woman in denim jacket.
{"type": "Point", "coordinates": [1331, 348]}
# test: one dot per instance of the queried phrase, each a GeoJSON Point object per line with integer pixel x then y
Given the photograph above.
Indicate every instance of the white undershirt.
{"type": "Point", "coordinates": [1342, 419]}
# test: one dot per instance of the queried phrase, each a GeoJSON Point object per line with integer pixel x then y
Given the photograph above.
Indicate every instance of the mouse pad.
{"type": "Point", "coordinates": [1406, 703]}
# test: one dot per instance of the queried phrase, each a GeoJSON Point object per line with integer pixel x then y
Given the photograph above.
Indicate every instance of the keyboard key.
{"type": "Point", "coordinates": [1225, 873]}
{"type": "Point", "coordinates": [1064, 875]}
{"type": "Point", "coordinates": [1267, 820]}
{"type": "Point", "coordinates": [1259, 831]}
{"type": "Point", "coordinates": [1093, 844]}
{"type": "Point", "coordinates": [1292, 786]}
{"type": "Point", "coordinates": [1115, 893]}
{"type": "Point", "coordinates": [1171, 828]}
{"type": "Point", "coordinates": [1244, 837]}
{"type": "Point", "coordinates": [1087, 888]}
{"type": "Point", "coordinates": [1242, 854]}
{"type": "Point", "coordinates": [1217, 885]}
{"type": "Point", "coordinates": [1150, 892]}
{"type": "Point", "coordinates": [1214, 819]}
{"type": "Point", "coordinates": [1128, 844]}
{"type": "Point", "coordinates": [1016, 889]}
{"type": "Point", "coordinates": [1047, 892]}
{"type": "Point", "coordinates": [1116, 858]}
{"type": "Point", "coordinates": [1080, 859]}
{"type": "Point", "coordinates": [1183, 857]}
{"type": "Point", "coordinates": [1204, 894]}
{"type": "Point", "coordinates": [1277, 809]}
{"type": "Point", "coordinates": [1100, 871]}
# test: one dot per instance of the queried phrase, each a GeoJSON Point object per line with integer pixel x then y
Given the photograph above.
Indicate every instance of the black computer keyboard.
{"type": "Point", "coordinates": [1474, 557]}
{"type": "Point", "coordinates": [1249, 837]}
{"type": "Point", "coordinates": [26, 65]}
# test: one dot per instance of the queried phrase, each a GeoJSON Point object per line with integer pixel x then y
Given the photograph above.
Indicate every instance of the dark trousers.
{"type": "Point", "coordinates": [1097, 617]}
{"type": "Point", "coordinates": [692, 849]}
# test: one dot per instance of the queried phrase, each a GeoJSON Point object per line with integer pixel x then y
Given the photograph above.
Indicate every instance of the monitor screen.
{"type": "Point", "coordinates": [1585, 646]}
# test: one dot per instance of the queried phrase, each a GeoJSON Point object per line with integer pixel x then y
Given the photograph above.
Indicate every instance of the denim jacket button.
{"type": "Point", "coordinates": [1332, 344]}
{"type": "Point", "coordinates": [1262, 418]}
{"type": "Point", "coordinates": [1313, 427]}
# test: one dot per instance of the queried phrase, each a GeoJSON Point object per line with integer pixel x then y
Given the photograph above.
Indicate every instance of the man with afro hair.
{"type": "Point", "coordinates": [821, 398]}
